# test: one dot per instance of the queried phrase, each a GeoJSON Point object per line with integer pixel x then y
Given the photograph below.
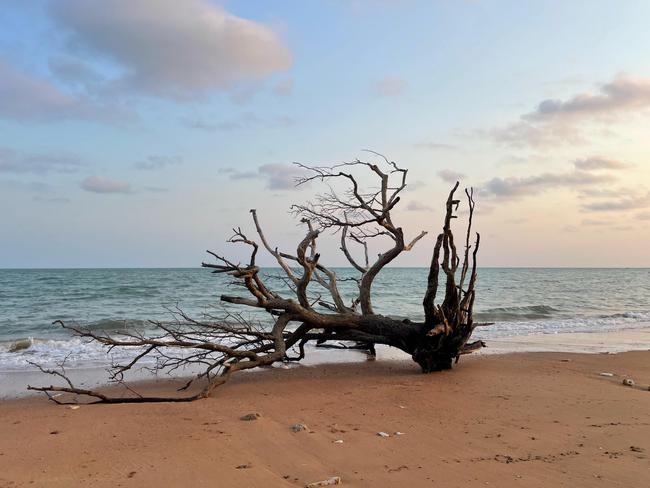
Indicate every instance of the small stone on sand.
{"type": "Point", "coordinates": [250, 416]}
{"type": "Point", "coordinates": [334, 480]}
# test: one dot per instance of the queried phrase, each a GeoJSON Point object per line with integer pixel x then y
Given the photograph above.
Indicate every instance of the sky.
{"type": "Point", "coordinates": [138, 133]}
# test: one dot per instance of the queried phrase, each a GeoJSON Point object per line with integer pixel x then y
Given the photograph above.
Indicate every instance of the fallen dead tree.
{"type": "Point", "coordinates": [316, 310]}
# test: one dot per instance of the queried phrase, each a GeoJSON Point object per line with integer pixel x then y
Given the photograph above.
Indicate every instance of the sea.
{"type": "Point", "coordinates": [519, 302]}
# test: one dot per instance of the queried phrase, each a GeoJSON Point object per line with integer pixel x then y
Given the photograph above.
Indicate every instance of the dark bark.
{"type": "Point", "coordinates": [229, 343]}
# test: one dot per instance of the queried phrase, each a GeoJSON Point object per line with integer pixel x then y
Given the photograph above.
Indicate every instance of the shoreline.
{"type": "Point", "coordinates": [13, 383]}
{"type": "Point", "coordinates": [521, 419]}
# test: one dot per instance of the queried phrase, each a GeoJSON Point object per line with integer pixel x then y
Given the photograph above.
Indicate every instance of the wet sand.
{"type": "Point", "coordinates": [529, 419]}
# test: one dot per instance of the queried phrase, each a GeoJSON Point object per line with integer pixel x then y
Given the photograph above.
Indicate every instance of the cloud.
{"type": "Point", "coordinates": [450, 176]}
{"type": "Point", "coordinates": [27, 98]}
{"type": "Point", "coordinates": [157, 162]}
{"type": "Point", "coordinates": [390, 86]}
{"type": "Point", "coordinates": [514, 187]}
{"type": "Point", "coordinates": [556, 121]}
{"type": "Point", "coordinates": [99, 184]}
{"type": "Point", "coordinates": [280, 176]}
{"type": "Point", "coordinates": [12, 162]}
{"type": "Point", "coordinates": [523, 133]}
{"type": "Point", "coordinates": [596, 162]}
{"type": "Point", "coordinates": [621, 94]}
{"type": "Point", "coordinates": [415, 206]}
{"type": "Point", "coordinates": [74, 71]}
{"type": "Point", "coordinates": [242, 175]}
{"type": "Point", "coordinates": [601, 192]}
{"type": "Point", "coordinates": [643, 216]}
{"type": "Point", "coordinates": [167, 51]}
{"type": "Point", "coordinates": [623, 203]}
{"type": "Point", "coordinates": [247, 121]}
{"type": "Point", "coordinates": [197, 123]}
{"type": "Point", "coordinates": [277, 176]}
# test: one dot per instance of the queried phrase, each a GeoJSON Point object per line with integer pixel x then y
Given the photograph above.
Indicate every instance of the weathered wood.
{"type": "Point", "coordinates": [227, 343]}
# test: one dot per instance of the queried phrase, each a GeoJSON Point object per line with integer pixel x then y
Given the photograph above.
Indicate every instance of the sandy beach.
{"type": "Point", "coordinates": [530, 419]}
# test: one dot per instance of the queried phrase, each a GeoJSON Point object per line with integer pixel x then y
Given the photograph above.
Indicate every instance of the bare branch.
{"type": "Point", "coordinates": [224, 342]}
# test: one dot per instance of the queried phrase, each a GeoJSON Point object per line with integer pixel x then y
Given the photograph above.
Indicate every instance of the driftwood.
{"type": "Point", "coordinates": [221, 346]}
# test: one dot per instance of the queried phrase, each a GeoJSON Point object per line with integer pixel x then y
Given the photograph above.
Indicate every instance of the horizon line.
{"type": "Point", "coordinates": [278, 267]}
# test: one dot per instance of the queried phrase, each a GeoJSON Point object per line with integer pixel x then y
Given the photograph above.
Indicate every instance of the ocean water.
{"type": "Point", "coordinates": [519, 301]}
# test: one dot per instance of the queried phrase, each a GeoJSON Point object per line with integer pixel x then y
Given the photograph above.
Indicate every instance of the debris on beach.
{"type": "Point", "coordinates": [21, 345]}
{"type": "Point", "coordinates": [250, 416]}
{"type": "Point", "coordinates": [383, 434]}
{"type": "Point", "coordinates": [298, 427]}
{"type": "Point", "coordinates": [244, 466]}
{"type": "Point", "coordinates": [399, 433]}
{"type": "Point", "coordinates": [334, 480]}
{"type": "Point", "coordinates": [628, 382]}
{"type": "Point", "coordinates": [74, 407]}
{"type": "Point", "coordinates": [338, 441]}
{"type": "Point", "coordinates": [609, 375]}
{"type": "Point", "coordinates": [636, 449]}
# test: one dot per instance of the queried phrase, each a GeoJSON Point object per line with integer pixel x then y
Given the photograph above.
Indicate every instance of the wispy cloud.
{"type": "Point", "coordinates": [55, 162]}
{"type": "Point", "coordinates": [450, 176]}
{"type": "Point", "coordinates": [28, 98]}
{"type": "Point", "coordinates": [157, 162]}
{"type": "Point", "coordinates": [415, 206]}
{"type": "Point", "coordinates": [620, 95]}
{"type": "Point", "coordinates": [99, 184]}
{"type": "Point", "coordinates": [524, 133]}
{"type": "Point", "coordinates": [277, 176]}
{"type": "Point", "coordinates": [280, 176]}
{"type": "Point", "coordinates": [75, 72]}
{"type": "Point", "coordinates": [517, 187]}
{"type": "Point", "coordinates": [556, 121]}
{"type": "Point", "coordinates": [597, 162]}
{"type": "Point", "coordinates": [622, 203]}
{"type": "Point", "coordinates": [172, 52]}
{"type": "Point", "coordinates": [246, 121]}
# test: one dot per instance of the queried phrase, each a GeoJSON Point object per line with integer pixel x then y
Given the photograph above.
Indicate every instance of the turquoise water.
{"type": "Point", "coordinates": [519, 301]}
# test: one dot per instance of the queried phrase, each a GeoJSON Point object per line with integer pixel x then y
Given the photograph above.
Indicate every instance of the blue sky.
{"type": "Point", "coordinates": [138, 133]}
